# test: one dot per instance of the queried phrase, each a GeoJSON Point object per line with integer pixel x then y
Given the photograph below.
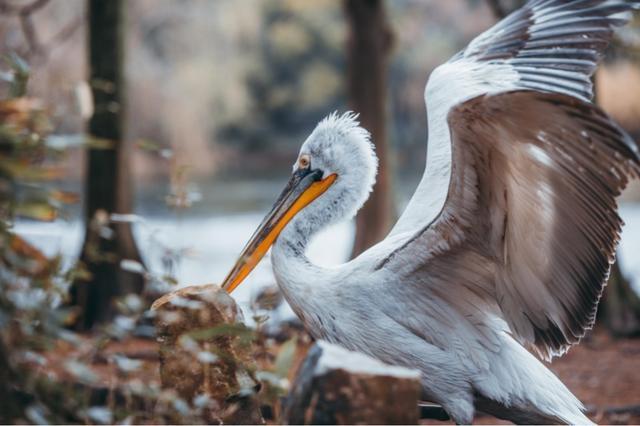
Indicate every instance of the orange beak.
{"type": "Point", "coordinates": [304, 186]}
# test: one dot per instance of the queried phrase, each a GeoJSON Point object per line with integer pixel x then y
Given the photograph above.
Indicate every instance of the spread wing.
{"type": "Point", "coordinates": [522, 174]}
{"type": "Point", "coordinates": [553, 45]}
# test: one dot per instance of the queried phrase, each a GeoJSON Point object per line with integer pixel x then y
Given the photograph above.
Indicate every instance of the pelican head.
{"type": "Point", "coordinates": [335, 170]}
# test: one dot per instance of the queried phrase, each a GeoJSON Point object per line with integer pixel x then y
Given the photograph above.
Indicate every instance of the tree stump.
{"type": "Point", "coordinates": [337, 386]}
{"type": "Point", "coordinates": [205, 353]}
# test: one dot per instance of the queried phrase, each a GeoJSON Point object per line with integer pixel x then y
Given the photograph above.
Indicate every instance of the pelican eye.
{"type": "Point", "coordinates": [304, 161]}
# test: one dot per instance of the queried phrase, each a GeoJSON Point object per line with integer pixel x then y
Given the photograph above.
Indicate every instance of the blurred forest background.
{"type": "Point", "coordinates": [209, 108]}
{"type": "Point", "coordinates": [220, 95]}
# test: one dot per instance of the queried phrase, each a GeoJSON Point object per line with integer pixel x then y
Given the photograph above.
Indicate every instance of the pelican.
{"type": "Point", "coordinates": [501, 255]}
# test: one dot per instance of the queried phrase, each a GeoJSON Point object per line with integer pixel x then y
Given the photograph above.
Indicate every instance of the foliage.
{"type": "Point", "coordinates": [34, 317]}
{"type": "Point", "coordinates": [48, 373]}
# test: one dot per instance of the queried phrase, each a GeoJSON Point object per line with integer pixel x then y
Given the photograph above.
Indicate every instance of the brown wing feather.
{"type": "Point", "coordinates": [533, 194]}
{"type": "Point", "coordinates": [548, 168]}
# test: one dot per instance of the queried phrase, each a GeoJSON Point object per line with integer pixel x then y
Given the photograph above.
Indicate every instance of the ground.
{"type": "Point", "coordinates": [602, 371]}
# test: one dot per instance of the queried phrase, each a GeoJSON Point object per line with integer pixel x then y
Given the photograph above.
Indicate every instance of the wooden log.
{"type": "Point", "coordinates": [337, 386]}
{"type": "Point", "coordinates": [204, 352]}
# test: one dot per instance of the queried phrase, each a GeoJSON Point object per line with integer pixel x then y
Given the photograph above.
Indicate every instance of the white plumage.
{"type": "Point", "coordinates": [508, 239]}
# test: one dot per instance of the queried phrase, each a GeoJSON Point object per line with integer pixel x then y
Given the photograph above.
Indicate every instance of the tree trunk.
{"type": "Point", "coordinates": [108, 188]}
{"type": "Point", "coordinates": [10, 406]}
{"type": "Point", "coordinates": [368, 48]}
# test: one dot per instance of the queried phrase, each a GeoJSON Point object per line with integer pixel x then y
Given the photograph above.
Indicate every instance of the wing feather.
{"type": "Point", "coordinates": [522, 174]}
{"type": "Point", "coordinates": [534, 189]}
{"type": "Point", "coordinates": [549, 35]}
{"type": "Point", "coordinates": [548, 46]}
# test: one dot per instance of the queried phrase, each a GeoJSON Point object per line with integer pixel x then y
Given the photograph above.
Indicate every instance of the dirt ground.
{"type": "Point", "coordinates": [603, 372]}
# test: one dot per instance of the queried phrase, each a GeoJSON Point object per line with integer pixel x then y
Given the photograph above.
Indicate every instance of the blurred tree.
{"type": "Point", "coordinates": [296, 81]}
{"type": "Point", "coordinates": [368, 47]}
{"type": "Point", "coordinates": [108, 188]}
{"type": "Point", "coordinates": [31, 284]}
{"type": "Point", "coordinates": [502, 8]}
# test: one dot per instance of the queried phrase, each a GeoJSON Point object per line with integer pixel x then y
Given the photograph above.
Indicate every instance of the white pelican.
{"type": "Point", "coordinates": [508, 240]}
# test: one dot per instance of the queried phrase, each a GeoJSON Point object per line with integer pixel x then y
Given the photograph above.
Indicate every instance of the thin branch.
{"type": "Point", "coordinates": [43, 50]}
{"type": "Point", "coordinates": [29, 31]}
{"type": "Point", "coordinates": [35, 48]}
{"type": "Point", "coordinates": [31, 8]}
{"type": "Point", "coordinates": [24, 14]}
{"type": "Point", "coordinates": [7, 8]}
{"type": "Point", "coordinates": [65, 33]}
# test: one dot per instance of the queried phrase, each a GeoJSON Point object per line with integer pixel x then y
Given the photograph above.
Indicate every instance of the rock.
{"type": "Point", "coordinates": [337, 386]}
{"type": "Point", "coordinates": [205, 353]}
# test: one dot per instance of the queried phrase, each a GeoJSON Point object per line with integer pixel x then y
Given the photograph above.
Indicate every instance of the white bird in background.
{"type": "Point", "coordinates": [508, 240]}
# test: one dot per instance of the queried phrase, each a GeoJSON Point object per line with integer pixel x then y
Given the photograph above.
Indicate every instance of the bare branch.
{"type": "Point", "coordinates": [30, 35]}
{"type": "Point", "coordinates": [24, 14]}
{"type": "Point", "coordinates": [31, 8]}
{"type": "Point", "coordinates": [65, 33]}
{"type": "Point", "coordinates": [40, 54]}
{"type": "Point", "coordinates": [35, 48]}
{"type": "Point", "coordinates": [7, 8]}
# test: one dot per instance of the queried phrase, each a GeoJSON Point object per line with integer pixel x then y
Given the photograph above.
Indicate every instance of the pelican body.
{"type": "Point", "coordinates": [505, 247]}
